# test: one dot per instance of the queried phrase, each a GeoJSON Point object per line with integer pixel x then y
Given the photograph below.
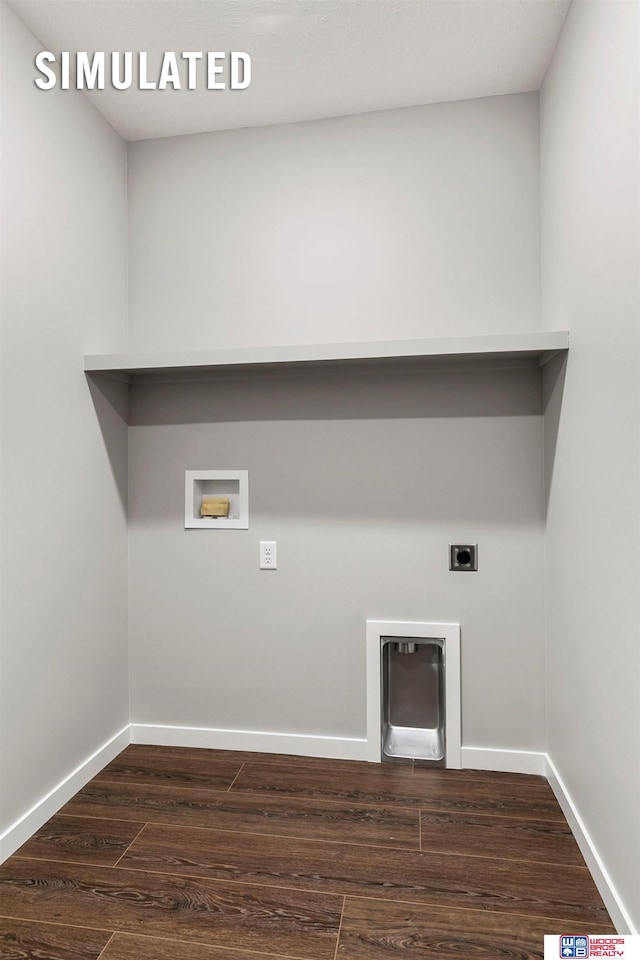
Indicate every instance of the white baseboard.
{"type": "Point", "coordinates": [33, 819]}
{"type": "Point", "coordinates": [255, 741]}
{"type": "Point", "coordinates": [334, 748]}
{"type": "Point", "coordinates": [505, 761]}
{"type": "Point", "coordinates": [612, 899]}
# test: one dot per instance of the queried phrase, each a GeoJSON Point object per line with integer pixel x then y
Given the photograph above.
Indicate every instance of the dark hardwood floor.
{"type": "Point", "coordinates": [178, 854]}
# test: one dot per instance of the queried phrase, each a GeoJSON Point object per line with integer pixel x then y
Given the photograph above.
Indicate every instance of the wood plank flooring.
{"type": "Point", "coordinates": [180, 854]}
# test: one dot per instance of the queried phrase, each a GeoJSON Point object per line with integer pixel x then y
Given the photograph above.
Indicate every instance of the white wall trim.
{"type": "Point", "coordinates": [40, 812]}
{"type": "Point", "coordinates": [505, 761]}
{"type": "Point", "coordinates": [612, 899]}
{"type": "Point", "coordinates": [450, 633]}
{"type": "Point", "coordinates": [255, 741]}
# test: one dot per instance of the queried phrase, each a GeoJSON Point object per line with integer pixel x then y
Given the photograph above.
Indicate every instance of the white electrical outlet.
{"type": "Point", "coordinates": [268, 555]}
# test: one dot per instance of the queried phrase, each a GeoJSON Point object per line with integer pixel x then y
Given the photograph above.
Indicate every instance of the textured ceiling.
{"type": "Point", "coordinates": [310, 58]}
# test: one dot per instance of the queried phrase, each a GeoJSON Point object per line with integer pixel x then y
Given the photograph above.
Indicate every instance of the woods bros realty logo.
{"type": "Point", "coordinates": [583, 946]}
{"type": "Point", "coordinates": [189, 70]}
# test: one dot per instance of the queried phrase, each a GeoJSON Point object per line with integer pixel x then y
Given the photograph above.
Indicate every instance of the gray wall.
{"type": "Point", "coordinates": [413, 222]}
{"type": "Point", "coordinates": [406, 223]}
{"type": "Point", "coordinates": [362, 478]}
{"type": "Point", "coordinates": [590, 208]}
{"type": "Point", "coordinates": [64, 645]}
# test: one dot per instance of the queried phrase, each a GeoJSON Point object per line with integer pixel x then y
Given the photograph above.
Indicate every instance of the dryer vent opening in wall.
{"type": "Point", "coordinates": [413, 692]}
{"type": "Point", "coordinates": [413, 700]}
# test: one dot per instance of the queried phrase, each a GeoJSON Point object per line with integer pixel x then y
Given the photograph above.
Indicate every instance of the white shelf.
{"type": "Point", "coordinates": [137, 367]}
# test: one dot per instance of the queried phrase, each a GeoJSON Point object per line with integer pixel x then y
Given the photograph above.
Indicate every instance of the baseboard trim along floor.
{"type": "Point", "coordinates": [24, 828]}
{"type": "Point", "coordinates": [505, 761]}
{"type": "Point", "coordinates": [613, 901]}
{"type": "Point", "coordinates": [256, 741]}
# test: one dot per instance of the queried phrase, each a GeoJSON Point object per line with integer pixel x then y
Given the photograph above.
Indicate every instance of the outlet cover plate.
{"type": "Point", "coordinates": [268, 555]}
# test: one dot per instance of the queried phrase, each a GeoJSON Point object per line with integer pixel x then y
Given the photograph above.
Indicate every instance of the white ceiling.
{"type": "Point", "coordinates": [310, 58]}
